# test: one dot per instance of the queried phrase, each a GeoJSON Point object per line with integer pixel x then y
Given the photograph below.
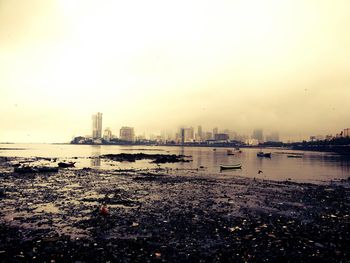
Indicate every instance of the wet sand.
{"type": "Point", "coordinates": [176, 216]}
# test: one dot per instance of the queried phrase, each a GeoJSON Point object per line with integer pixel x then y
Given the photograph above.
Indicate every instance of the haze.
{"type": "Point", "coordinates": [157, 65]}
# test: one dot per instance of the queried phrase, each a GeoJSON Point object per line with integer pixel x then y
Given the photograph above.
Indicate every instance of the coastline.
{"type": "Point", "coordinates": [175, 216]}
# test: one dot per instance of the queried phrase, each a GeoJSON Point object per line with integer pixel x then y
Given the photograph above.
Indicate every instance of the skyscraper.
{"type": "Point", "coordinates": [199, 133]}
{"type": "Point", "coordinates": [258, 135]}
{"type": "Point", "coordinates": [127, 134]}
{"type": "Point", "coordinates": [97, 125]}
{"type": "Point", "coordinates": [107, 134]}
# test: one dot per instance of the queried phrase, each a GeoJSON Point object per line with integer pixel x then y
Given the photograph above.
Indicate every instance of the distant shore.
{"type": "Point", "coordinates": [338, 149]}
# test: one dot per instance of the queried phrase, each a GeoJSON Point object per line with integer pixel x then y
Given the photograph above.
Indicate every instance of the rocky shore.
{"type": "Point", "coordinates": [169, 216]}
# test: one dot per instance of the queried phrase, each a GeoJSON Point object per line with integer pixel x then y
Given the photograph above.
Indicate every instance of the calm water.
{"type": "Point", "coordinates": [313, 167]}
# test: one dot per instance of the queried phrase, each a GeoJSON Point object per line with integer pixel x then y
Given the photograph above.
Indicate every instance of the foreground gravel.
{"type": "Point", "coordinates": [176, 216]}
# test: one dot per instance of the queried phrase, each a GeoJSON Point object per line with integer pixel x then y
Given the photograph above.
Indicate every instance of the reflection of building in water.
{"type": "Point", "coordinates": [95, 155]}
{"type": "Point", "coordinates": [96, 161]}
{"type": "Point", "coordinates": [127, 134]}
{"type": "Point", "coordinates": [97, 126]}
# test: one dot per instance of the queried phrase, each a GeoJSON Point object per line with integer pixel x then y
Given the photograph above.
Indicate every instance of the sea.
{"type": "Point", "coordinates": [310, 167]}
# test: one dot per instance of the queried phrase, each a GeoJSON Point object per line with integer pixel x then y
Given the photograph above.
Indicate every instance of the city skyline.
{"type": "Point", "coordinates": [156, 66]}
{"type": "Point", "coordinates": [188, 135]}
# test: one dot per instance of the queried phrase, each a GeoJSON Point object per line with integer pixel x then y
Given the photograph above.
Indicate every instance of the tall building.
{"type": "Point", "coordinates": [346, 132]}
{"type": "Point", "coordinates": [189, 134]}
{"type": "Point", "coordinates": [208, 136]}
{"type": "Point", "coordinates": [182, 135]}
{"type": "Point", "coordinates": [199, 133]}
{"type": "Point", "coordinates": [221, 137]}
{"type": "Point", "coordinates": [273, 137]}
{"type": "Point", "coordinates": [258, 135]}
{"type": "Point", "coordinates": [107, 134]}
{"type": "Point", "coordinates": [127, 134]}
{"type": "Point", "coordinates": [97, 125]}
{"type": "Point", "coordinates": [215, 131]}
{"type": "Point", "coordinates": [186, 135]}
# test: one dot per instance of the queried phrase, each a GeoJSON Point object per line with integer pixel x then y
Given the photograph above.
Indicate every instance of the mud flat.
{"type": "Point", "coordinates": [169, 216]}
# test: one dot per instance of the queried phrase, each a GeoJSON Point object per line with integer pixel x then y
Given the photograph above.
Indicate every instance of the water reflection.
{"type": "Point", "coordinates": [313, 166]}
{"type": "Point", "coordinates": [95, 156]}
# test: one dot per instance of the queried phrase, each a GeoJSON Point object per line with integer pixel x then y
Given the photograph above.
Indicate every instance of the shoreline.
{"type": "Point", "coordinates": [175, 216]}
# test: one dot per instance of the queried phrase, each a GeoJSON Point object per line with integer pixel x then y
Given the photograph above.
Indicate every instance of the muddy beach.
{"type": "Point", "coordinates": [171, 215]}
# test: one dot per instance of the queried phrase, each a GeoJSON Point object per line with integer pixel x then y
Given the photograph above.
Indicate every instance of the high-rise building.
{"type": "Point", "coordinates": [189, 134]}
{"type": "Point", "coordinates": [215, 131]}
{"type": "Point", "coordinates": [186, 135]}
{"type": "Point", "coordinates": [221, 137]}
{"type": "Point", "coordinates": [199, 133]}
{"type": "Point", "coordinates": [127, 134]}
{"type": "Point", "coordinates": [208, 136]}
{"type": "Point", "coordinates": [107, 134]}
{"type": "Point", "coordinates": [182, 135]}
{"type": "Point", "coordinates": [97, 125]}
{"type": "Point", "coordinates": [258, 135]}
{"type": "Point", "coordinates": [346, 132]}
{"type": "Point", "coordinates": [273, 137]}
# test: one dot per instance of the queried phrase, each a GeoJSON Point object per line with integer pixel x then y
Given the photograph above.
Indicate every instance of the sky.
{"type": "Point", "coordinates": [279, 65]}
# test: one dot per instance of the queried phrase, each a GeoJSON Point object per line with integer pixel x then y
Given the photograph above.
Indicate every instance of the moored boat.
{"type": "Point", "coordinates": [230, 152]}
{"type": "Point", "coordinates": [262, 154]}
{"type": "Point", "coordinates": [230, 166]}
{"type": "Point", "coordinates": [66, 165]}
{"type": "Point", "coordinates": [294, 156]}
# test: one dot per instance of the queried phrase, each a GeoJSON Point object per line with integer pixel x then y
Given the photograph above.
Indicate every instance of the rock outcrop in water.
{"type": "Point", "coordinates": [156, 158]}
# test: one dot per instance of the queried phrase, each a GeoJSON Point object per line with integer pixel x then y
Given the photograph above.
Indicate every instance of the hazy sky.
{"type": "Point", "coordinates": [156, 65]}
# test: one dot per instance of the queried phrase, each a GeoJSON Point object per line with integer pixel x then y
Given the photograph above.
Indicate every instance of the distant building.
{"type": "Point", "coordinates": [273, 137]}
{"type": "Point", "coordinates": [231, 134]}
{"type": "Point", "coordinates": [221, 137]}
{"type": "Point", "coordinates": [107, 134]}
{"type": "Point", "coordinates": [346, 132]}
{"type": "Point", "coordinates": [199, 136]}
{"type": "Point", "coordinates": [97, 126]}
{"type": "Point", "coordinates": [182, 135]}
{"type": "Point", "coordinates": [127, 134]}
{"type": "Point", "coordinates": [208, 136]}
{"type": "Point", "coordinates": [258, 135]}
{"type": "Point", "coordinates": [215, 131]}
{"type": "Point", "coordinates": [189, 134]}
{"type": "Point", "coordinates": [252, 142]}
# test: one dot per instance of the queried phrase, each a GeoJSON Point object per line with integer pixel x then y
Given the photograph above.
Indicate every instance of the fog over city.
{"type": "Point", "coordinates": [158, 65]}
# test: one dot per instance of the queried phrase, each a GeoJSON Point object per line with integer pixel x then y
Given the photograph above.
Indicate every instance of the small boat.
{"type": "Point", "coordinates": [230, 152]}
{"type": "Point", "coordinates": [262, 154]}
{"type": "Point", "coordinates": [214, 149]}
{"type": "Point", "coordinates": [294, 156]}
{"type": "Point", "coordinates": [66, 165]}
{"type": "Point", "coordinates": [230, 166]}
